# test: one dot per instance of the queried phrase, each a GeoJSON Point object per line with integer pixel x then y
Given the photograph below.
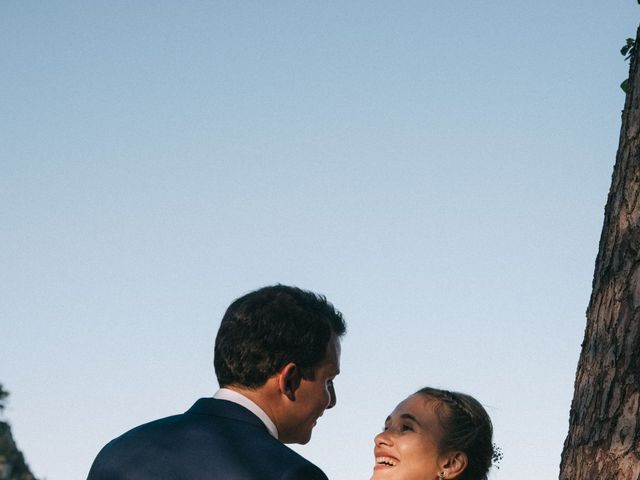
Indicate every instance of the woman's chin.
{"type": "Point", "coordinates": [384, 473]}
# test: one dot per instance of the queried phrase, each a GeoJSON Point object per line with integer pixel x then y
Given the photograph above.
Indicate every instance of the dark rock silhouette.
{"type": "Point", "coordinates": [12, 462]}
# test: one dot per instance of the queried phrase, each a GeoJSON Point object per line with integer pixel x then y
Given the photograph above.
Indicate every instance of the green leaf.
{"type": "Point", "coordinates": [625, 85]}
{"type": "Point", "coordinates": [628, 49]}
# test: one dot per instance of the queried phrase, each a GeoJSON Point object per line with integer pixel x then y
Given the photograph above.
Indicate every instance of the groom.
{"type": "Point", "coordinates": [276, 354]}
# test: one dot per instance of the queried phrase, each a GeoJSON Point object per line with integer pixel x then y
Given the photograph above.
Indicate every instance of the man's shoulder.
{"type": "Point", "coordinates": [277, 461]}
{"type": "Point", "coordinates": [207, 415]}
{"type": "Point", "coordinates": [213, 436]}
{"type": "Point", "coordinates": [302, 470]}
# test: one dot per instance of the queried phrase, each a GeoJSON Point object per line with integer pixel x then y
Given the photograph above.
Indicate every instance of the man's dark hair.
{"type": "Point", "coordinates": [264, 330]}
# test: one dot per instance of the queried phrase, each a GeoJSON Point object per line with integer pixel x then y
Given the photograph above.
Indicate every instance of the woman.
{"type": "Point", "coordinates": [435, 434]}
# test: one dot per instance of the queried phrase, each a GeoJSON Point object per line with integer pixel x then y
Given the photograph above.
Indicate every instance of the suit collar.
{"type": "Point", "coordinates": [224, 408]}
{"type": "Point", "coordinates": [246, 402]}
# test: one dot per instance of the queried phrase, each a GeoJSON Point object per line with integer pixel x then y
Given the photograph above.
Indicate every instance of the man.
{"type": "Point", "coordinates": [276, 354]}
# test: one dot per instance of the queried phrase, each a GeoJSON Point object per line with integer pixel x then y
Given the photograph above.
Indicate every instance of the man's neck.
{"type": "Point", "coordinates": [253, 400]}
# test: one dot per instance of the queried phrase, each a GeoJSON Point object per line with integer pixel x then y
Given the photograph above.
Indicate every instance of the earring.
{"type": "Point", "coordinates": [442, 475]}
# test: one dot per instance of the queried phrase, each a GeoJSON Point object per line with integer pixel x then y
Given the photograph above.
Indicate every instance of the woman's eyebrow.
{"type": "Point", "coordinates": [408, 416]}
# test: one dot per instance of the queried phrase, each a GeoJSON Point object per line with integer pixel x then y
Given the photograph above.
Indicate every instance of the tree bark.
{"type": "Point", "coordinates": [603, 442]}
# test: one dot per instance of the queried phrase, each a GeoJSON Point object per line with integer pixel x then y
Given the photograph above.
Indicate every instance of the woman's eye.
{"type": "Point", "coordinates": [406, 428]}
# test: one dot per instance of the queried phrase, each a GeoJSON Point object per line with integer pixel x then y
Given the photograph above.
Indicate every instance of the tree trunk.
{"type": "Point", "coordinates": [604, 424]}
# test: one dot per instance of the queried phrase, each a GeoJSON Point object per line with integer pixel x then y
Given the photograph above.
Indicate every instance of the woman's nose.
{"type": "Point", "coordinates": [382, 438]}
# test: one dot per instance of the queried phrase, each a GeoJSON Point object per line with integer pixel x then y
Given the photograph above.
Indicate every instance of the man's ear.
{"type": "Point", "coordinates": [289, 380]}
{"type": "Point", "coordinates": [453, 464]}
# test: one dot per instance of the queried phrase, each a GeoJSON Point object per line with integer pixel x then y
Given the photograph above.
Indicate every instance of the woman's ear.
{"type": "Point", "coordinates": [453, 464]}
{"type": "Point", "coordinates": [289, 380]}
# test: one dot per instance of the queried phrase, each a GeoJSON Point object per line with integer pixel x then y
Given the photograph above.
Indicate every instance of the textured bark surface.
{"type": "Point", "coordinates": [604, 424]}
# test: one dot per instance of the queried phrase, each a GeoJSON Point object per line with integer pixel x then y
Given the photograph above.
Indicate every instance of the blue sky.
{"type": "Point", "coordinates": [438, 169]}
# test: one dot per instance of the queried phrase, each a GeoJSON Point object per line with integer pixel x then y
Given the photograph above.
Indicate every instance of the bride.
{"type": "Point", "coordinates": [435, 434]}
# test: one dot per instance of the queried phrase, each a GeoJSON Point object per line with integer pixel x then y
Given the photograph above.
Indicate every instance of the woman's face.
{"type": "Point", "coordinates": [407, 449]}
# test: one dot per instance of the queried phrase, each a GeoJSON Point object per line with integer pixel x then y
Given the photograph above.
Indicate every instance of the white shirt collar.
{"type": "Point", "coordinates": [235, 397]}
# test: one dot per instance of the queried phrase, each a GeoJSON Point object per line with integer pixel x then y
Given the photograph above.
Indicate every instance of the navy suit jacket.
{"type": "Point", "coordinates": [214, 439]}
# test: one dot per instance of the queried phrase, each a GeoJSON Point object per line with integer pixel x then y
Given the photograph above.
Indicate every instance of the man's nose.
{"type": "Point", "coordinates": [332, 396]}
